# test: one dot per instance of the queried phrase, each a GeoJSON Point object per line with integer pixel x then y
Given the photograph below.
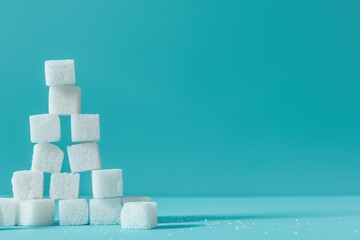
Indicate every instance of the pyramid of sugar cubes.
{"type": "Point", "coordinates": [108, 205]}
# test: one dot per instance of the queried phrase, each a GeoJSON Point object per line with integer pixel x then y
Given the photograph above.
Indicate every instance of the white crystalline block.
{"type": "Point", "coordinates": [47, 157]}
{"type": "Point", "coordinates": [126, 199]}
{"type": "Point", "coordinates": [45, 128]}
{"type": "Point", "coordinates": [139, 215]}
{"type": "Point", "coordinates": [27, 184]}
{"type": "Point", "coordinates": [36, 212]}
{"type": "Point", "coordinates": [85, 128]}
{"type": "Point", "coordinates": [73, 212]}
{"type": "Point", "coordinates": [105, 211]}
{"type": "Point", "coordinates": [64, 100]}
{"type": "Point", "coordinates": [107, 183]}
{"type": "Point", "coordinates": [64, 185]}
{"type": "Point", "coordinates": [59, 72]}
{"type": "Point", "coordinates": [8, 211]}
{"type": "Point", "coordinates": [84, 157]}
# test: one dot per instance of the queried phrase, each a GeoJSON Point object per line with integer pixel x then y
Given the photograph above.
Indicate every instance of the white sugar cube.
{"type": "Point", "coordinates": [45, 128]}
{"type": "Point", "coordinates": [107, 183]}
{"type": "Point", "coordinates": [64, 100]}
{"type": "Point", "coordinates": [59, 72]}
{"type": "Point", "coordinates": [139, 215]}
{"type": "Point", "coordinates": [84, 157]}
{"type": "Point", "coordinates": [47, 157]}
{"type": "Point", "coordinates": [105, 211]}
{"type": "Point", "coordinates": [73, 212]}
{"type": "Point", "coordinates": [126, 199]}
{"type": "Point", "coordinates": [8, 211]}
{"type": "Point", "coordinates": [85, 128]}
{"type": "Point", "coordinates": [28, 184]}
{"type": "Point", "coordinates": [64, 185]}
{"type": "Point", "coordinates": [36, 212]}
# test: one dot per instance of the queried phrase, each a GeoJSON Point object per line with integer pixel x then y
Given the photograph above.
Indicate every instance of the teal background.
{"type": "Point", "coordinates": [195, 97]}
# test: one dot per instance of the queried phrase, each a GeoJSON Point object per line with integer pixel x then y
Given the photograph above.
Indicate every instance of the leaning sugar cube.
{"type": "Point", "coordinates": [64, 185]}
{"type": "Point", "coordinates": [84, 157]}
{"type": "Point", "coordinates": [47, 157]}
{"type": "Point", "coordinates": [45, 128]}
{"type": "Point", "coordinates": [105, 211]}
{"type": "Point", "coordinates": [139, 215]}
{"type": "Point", "coordinates": [59, 72]}
{"type": "Point", "coordinates": [107, 183]}
{"type": "Point", "coordinates": [28, 184]}
{"type": "Point", "coordinates": [73, 212]}
{"type": "Point", "coordinates": [85, 128]}
{"type": "Point", "coordinates": [8, 211]}
{"type": "Point", "coordinates": [126, 199]}
{"type": "Point", "coordinates": [36, 212]}
{"type": "Point", "coordinates": [64, 100]}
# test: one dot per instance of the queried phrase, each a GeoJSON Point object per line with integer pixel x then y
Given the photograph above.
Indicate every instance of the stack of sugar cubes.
{"type": "Point", "coordinates": [108, 206]}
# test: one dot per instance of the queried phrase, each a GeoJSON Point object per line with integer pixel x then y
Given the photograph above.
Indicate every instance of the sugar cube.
{"type": "Point", "coordinates": [126, 199]}
{"type": "Point", "coordinates": [27, 184]}
{"type": "Point", "coordinates": [45, 128]}
{"type": "Point", "coordinates": [47, 157]}
{"type": "Point", "coordinates": [73, 212]}
{"type": "Point", "coordinates": [36, 212]}
{"type": "Point", "coordinates": [85, 128]}
{"type": "Point", "coordinates": [64, 100]}
{"type": "Point", "coordinates": [105, 211]}
{"type": "Point", "coordinates": [64, 185]}
{"type": "Point", "coordinates": [139, 215]}
{"type": "Point", "coordinates": [84, 157]}
{"type": "Point", "coordinates": [8, 211]}
{"type": "Point", "coordinates": [59, 72]}
{"type": "Point", "coordinates": [107, 183]}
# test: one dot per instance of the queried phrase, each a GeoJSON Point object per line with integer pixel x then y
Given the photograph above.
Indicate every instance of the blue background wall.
{"type": "Point", "coordinates": [195, 97]}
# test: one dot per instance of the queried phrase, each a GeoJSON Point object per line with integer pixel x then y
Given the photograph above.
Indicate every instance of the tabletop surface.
{"type": "Point", "coordinates": [225, 218]}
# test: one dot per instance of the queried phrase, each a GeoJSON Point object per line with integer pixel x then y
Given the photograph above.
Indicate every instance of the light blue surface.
{"type": "Point", "coordinates": [226, 218]}
{"type": "Point", "coordinates": [200, 97]}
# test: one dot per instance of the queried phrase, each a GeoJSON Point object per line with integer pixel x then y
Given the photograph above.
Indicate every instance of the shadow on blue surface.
{"type": "Point", "coordinates": [159, 227]}
{"type": "Point", "coordinates": [6, 228]}
{"type": "Point", "coordinates": [175, 226]}
{"type": "Point", "coordinates": [56, 224]}
{"type": "Point", "coordinates": [270, 215]}
{"type": "Point", "coordinates": [18, 228]}
{"type": "Point", "coordinates": [172, 222]}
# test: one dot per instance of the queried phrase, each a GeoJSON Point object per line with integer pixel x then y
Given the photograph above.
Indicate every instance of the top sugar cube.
{"type": "Point", "coordinates": [59, 72]}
